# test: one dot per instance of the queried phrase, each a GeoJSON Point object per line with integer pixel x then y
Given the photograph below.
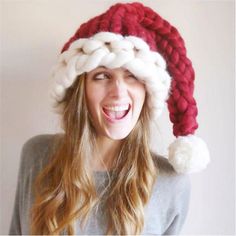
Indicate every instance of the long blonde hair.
{"type": "Point", "coordinates": [65, 189]}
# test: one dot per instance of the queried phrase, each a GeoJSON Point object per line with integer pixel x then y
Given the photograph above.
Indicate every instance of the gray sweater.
{"type": "Point", "coordinates": [164, 214]}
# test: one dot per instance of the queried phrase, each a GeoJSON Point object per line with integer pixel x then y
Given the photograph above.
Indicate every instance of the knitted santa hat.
{"type": "Point", "coordinates": [134, 37]}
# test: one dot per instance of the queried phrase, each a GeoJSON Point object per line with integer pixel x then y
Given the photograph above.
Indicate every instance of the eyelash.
{"type": "Point", "coordinates": [131, 76]}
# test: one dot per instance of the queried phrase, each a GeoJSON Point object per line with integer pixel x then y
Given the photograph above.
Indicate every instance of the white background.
{"type": "Point", "coordinates": [33, 32]}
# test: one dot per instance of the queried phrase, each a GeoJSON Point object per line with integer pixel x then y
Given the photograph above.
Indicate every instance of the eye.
{"type": "Point", "coordinates": [101, 76]}
{"type": "Point", "coordinates": [131, 76]}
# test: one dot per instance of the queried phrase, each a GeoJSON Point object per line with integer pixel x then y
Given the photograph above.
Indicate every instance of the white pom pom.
{"type": "Point", "coordinates": [188, 154]}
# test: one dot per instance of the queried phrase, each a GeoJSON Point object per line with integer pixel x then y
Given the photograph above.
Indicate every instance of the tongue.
{"type": "Point", "coordinates": [115, 114]}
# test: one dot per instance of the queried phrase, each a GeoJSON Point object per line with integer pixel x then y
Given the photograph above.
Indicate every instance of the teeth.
{"type": "Point", "coordinates": [118, 108]}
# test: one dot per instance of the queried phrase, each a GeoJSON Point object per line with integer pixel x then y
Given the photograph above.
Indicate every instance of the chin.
{"type": "Point", "coordinates": [118, 135]}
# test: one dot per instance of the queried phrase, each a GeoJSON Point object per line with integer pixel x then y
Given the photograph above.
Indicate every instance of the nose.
{"type": "Point", "coordinates": [118, 88]}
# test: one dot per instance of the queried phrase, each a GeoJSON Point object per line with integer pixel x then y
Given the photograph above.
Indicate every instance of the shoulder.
{"type": "Point", "coordinates": [162, 164]}
{"type": "Point", "coordinates": [169, 178]}
{"type": "Point", "coordinates": [37, 149]}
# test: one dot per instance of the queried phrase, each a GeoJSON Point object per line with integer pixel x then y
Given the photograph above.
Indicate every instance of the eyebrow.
{"type": "Point", "coordinates": [125, 70]}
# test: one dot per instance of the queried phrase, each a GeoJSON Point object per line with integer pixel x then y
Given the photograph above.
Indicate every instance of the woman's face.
{"type": "Point", "coordinates": [114, 99]}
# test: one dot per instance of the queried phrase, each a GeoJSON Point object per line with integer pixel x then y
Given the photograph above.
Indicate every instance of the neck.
{"type": "Point", "coordinates": [107, 151]}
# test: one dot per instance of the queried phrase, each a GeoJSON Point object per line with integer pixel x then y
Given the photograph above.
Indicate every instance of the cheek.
{"type": "Point", "coordinates": [140, 94]}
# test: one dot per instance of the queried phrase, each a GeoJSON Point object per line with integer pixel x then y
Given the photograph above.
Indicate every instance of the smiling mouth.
{"type": "Point", "coordinates": [116, 113]}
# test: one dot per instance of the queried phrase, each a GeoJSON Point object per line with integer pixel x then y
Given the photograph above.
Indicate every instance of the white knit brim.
{"type": "Point", "coordinates": [188, 154]}
{"type": "Point", "coordinates": [112, 51]}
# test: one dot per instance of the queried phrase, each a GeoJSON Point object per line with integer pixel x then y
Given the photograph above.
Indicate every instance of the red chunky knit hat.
{"type": "Point", "coordinates": [135, 37]}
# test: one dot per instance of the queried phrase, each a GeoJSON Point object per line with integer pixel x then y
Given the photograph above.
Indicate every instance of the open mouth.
{"type": "Point", "coordinates": [116, 112]}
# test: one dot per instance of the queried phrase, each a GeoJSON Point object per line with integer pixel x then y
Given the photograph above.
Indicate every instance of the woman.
{"type": "Point", "coordinates": [100, 176]}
